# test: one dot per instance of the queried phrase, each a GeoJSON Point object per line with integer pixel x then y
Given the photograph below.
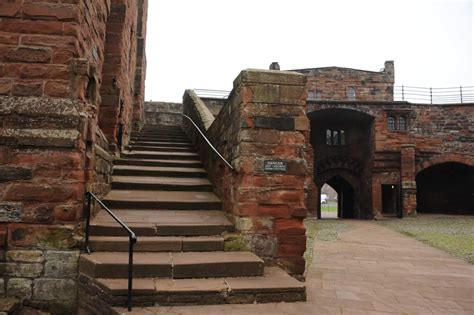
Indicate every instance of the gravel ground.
{"type": "Point", "coordinates": [451, 233]}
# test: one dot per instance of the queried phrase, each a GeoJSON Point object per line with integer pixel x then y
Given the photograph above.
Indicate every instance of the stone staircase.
{"type": "Point", "coordinates": [161, 191]}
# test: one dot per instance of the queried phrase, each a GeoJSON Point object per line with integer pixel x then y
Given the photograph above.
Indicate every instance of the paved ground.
{"type": "Point", "coordinates": [370, 270]}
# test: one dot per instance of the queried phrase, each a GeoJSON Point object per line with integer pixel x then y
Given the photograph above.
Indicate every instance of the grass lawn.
{"type": "Point", "coordinates": [322, 230]}
{"type": "Point", "coordinates": [329, 207]}
{"type": "Point", "coordinates": [453, 234]}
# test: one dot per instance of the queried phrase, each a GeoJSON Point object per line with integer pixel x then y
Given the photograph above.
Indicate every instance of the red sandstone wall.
{"type": "Point", "coordinates": [435, 134]}
{"type": "Point", "coordinates": [333, 83]}
{"type": "Point", "coordinates": [263, 119]}
{"type": "Point", "coordinates": [52, 60]}
{"type": "Point", "coordinates": [118, 73]}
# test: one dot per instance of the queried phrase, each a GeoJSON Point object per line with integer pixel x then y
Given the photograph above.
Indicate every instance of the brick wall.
{"type": "Point", "coordinates": [435, 134]}
{"type": "Point", "coordinates": [52, 61]}
{"type": "Point", "coordinates": [263, 119]}
{"type": "Point", "coordinates": [335, 83]}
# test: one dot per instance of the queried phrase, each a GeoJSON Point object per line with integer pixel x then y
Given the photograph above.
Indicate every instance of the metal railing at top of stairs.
{"type": "Point", "coordinates": [205, 138]}
{"type": "Point", "coordinates": [132, 240]}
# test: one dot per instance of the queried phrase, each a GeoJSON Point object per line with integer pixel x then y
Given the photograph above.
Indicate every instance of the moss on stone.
{"type": "Point", "coordinates": [235, 243]}
{"type": "Point", "coordinates": [57, 239]}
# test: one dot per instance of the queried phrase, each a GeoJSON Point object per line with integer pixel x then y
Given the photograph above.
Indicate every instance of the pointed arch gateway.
{"type": "Point", "coordinates": [343, 144]}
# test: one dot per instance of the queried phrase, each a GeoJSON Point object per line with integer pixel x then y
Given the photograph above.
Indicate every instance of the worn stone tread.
{"type": "Point", "coordinates": [273, 280]}
{"type": "Point", "coordinates": [163, 222]}
{"type": "Point", "coordinates": [171, 265]}
{"type": "Point", "coordinates": [158, 243]}
{"type": "Point", "coordinates": [159, 168]}
{"type": "Point", "coordinates": [162, 180]}
{"type": "Point", "coordinates": [158, 162]}
{"type": "Point", "coordinates": [173, 200]}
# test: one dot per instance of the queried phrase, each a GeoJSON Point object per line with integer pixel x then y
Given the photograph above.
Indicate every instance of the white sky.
{"type": "Point", "coordinates": [206, 43]}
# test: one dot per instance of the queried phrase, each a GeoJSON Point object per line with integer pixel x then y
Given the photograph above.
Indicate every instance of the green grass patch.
{"type": "Point", "coordinates": [328, 208]}
{"type": "Point", "coordinates": [452, 234]}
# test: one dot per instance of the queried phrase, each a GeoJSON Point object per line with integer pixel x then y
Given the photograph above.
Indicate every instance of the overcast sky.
{"type": "Point", "coordinates": [206, 43]}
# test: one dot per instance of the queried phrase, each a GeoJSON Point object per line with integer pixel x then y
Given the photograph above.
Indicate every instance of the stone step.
{"type": "Point", "coordinates": [274, 286]}
{"type": "Point", "coordinates": [158, 162]}
{"type": "Point", "coordinates": [159, 148]}
{"type": "Point", "coordinates": [161, 183]}
{"type": "Point", "coordinates": [181, 265]}
{"type": "Point", "coordinates": [161, 135]}
{"type": "Point", "coordinates": [133, 170]}
{"type": "Point", "coordinates": [161, 155]}
{"type": "Point", "coordinates": [162, 144]}
{"type": "Point", "coordinates": [162, 223]}
{"type": "Point", "coordinates": [158, 243]}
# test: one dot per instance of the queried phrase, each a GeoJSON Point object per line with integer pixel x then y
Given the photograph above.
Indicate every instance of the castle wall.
{"type": "Point", "coordinates": [52, 61]}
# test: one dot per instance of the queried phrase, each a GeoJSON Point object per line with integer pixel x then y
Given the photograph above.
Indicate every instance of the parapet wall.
{"type": "Point", "coordinates": [263, 131]}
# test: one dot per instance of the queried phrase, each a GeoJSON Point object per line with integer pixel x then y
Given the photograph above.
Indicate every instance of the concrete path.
{"type": "Point", "coordinates": [370, 270]}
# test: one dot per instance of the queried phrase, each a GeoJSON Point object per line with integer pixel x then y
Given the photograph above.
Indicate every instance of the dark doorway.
{"type": "Point", "coordinates": [390, 200]}
{"type": "Point", "coordinates": [345, 197]}
{"type": "Point", "coordinates": [446, 188]}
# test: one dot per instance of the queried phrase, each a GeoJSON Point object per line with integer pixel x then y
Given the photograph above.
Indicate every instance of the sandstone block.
{"type": "Point", "coordinates": [27, 89]}
{"type": "Point", "coordinates": [10, 8]}
{"type": "Point", "coordinates": [5, 86]}
{"type": "Point", "coordinates": [39, 192]}
{"type": "Point", "coordinates": [266, 93]}
{"type": "Point", "coordinates": [9, 173]}
{"type": "Point", "coordinates": [61, 264]}
{"type": "Point", "coordinates": [41, 236]}
{"type": "Point", "coordinates": [2, 286]}
{"type": "Point", "coordinates": [24, 270]}
{"type": "Point", "coordinates": [29, 54]}
{"type": "Point", "coordinates": [270, 77]}
{"type": "Point", "coordinates": [54, 289]}
{"type": "Point", "coordinates": [57, 89]}
{"type": "Point", "coordinates": [32, 27]}
{"type": "Point", "coordinates": [20, 288]}
{"type": "Point", "coordinates": [29, 256]}
{"type": "Point", "coordinates": [289, 227]}
{"type": "Point", "coordinates": [262, 245]}
{"type": "Point", "coordinates": [278, 123]}
{"type": "Point", "coordinates": [51, 11]}
{"type": "Point", "coordinates": [11, 211]}
{"type": "Point", "coordinates": [243, 223]}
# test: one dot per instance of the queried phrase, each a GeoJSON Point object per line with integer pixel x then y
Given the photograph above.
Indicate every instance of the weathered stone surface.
{"type": "Point", "coordinates": [2, 286]}
{"type": "Point", "coordinates": [41, 236]}
{"type": "Point", "coordinates": [29, 256]}
{"type": "Point", "coordinates": [9, 173]}
{"type": "Point", "coordinates": [20, 288]}
{"type": "Point", "coordinates": [54, 289]}
{"type": "Point", "coordinates": [278, 123]}
{"type": "Point", "coordinates": [11, 211]}
{"type": "Point", "coordinates": [23, 270]}
{"type": "Point", "coordinates": [60, 264]}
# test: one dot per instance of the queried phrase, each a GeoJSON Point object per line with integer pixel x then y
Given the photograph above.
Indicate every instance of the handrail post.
{"type": "Point", "coordinates": [460, 93]}
{"type": "Point", "coordinates": [403, 94]}
{"type": "Point", "coordinates": [131, 242]}
{"type": "Point", "coordinates": [88, 220]}
{"type": "Point", "coordinates": [431, 95]}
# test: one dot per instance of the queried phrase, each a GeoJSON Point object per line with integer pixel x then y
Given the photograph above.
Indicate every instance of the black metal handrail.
{"type": "Point", "coordinates": [132, 239]}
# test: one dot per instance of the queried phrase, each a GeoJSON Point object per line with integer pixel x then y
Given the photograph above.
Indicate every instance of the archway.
{"type": "Point", "coordinates": [446, 188]}
{"type": "Point", "coordinates": [345, 197]}
{"type": "Point", "coordinates": [343, 144]}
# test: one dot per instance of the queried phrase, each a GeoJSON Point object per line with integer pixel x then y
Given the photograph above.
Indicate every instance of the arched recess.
{"type": "Point", "coordinates": [447, 188]}
{"type": "Point", "coordinates": [346, 183]}
{"type": "Point", "coordinates": [343, 144]}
